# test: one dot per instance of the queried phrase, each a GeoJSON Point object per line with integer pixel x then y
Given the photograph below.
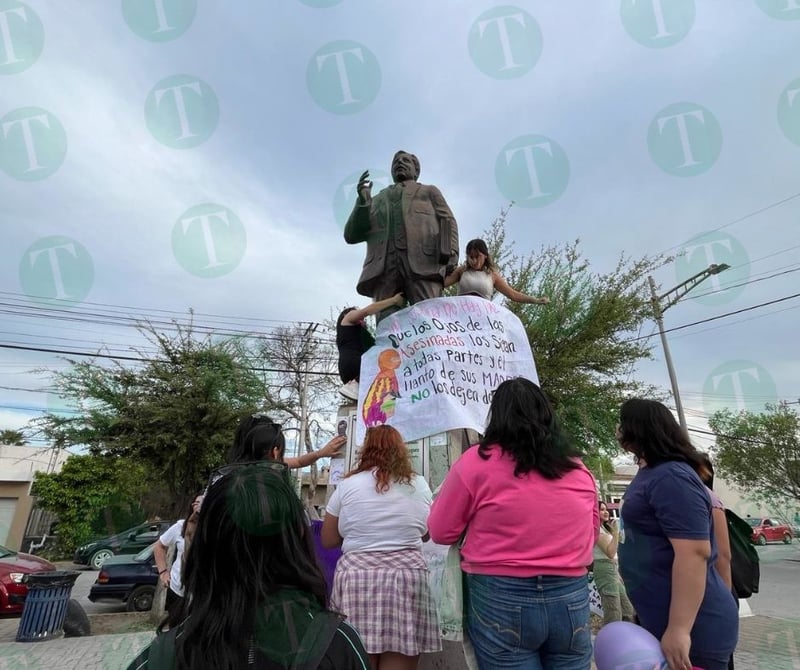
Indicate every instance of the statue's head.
{"type": "Point", "coordinates": [405, 166]}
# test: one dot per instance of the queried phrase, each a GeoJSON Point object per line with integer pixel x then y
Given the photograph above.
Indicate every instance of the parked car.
{"type": "Point", "coordinates": [97, 552]}
{"type": "Point", "coordinates": [13, 567]}
{"type": "Point", "coordinates": [129, 579]}
{"type": "Point", "coordinates": [768, 530]}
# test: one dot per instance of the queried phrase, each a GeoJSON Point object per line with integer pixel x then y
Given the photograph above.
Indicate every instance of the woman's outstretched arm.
{"type": "Point", "coordinates": [501, 285]}
{"type": "Point", "coordinates": [354, 316]}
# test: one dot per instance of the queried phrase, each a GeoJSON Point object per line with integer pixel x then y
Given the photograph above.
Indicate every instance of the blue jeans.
{"type": "Point", "coordinates": [529, 623]}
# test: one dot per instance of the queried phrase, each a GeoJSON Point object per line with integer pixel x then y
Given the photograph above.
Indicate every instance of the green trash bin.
{"type": "Point", "coordinates": [45, 605]}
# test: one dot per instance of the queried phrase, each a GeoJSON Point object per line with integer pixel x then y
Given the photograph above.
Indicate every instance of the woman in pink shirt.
{"type": "Point", "coordinates": [529, 509]}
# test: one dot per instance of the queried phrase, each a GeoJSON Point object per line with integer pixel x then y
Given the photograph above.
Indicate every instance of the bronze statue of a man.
{"type": "Point", "coordinates": [411, 235]}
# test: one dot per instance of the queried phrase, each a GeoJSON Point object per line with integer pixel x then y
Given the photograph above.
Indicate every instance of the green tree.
{"type": "Point", "coordinates": [585, 341]}
{"type": "Point", "coordinates": [14, 438]}
{"type": "Point", "coordinates": [760, 452]}
{"type": "Point", "coordinates": [86, 487]}
{"type": "Point", "coordinates": [175, 411]}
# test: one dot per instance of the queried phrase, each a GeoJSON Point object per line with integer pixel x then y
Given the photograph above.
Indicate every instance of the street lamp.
{"type": "Point", "coordinates": [661, 303]}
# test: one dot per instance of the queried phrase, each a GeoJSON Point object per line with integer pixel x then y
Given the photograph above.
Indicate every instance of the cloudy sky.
{"type": "Point", "coordinates": [157, 155]}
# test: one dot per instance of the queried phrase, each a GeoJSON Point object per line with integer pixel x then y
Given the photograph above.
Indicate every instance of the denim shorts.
{"type": "Point", "coordinates": [529, 623]}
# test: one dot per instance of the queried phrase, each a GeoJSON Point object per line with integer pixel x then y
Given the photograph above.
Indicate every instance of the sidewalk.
{"type": "Point", "coordinates": [96, 652]}
{"type": "Point", "coordinates": [765, 643]}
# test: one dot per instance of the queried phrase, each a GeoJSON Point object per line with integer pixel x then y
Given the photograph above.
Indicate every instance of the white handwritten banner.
{"type": "Point", "coordinates": [436, 364]}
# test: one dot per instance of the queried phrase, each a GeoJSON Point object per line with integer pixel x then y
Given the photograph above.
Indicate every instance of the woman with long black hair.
{"type": "Point", "coordinates": [255, 596]}
{"type": "Point", "coordinates": [668, 550]}
{"type": "Point", "coordinates": [529, 508]}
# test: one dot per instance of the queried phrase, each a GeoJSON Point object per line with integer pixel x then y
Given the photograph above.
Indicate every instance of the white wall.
{"type": "Point", "coordinates": [18, 464]}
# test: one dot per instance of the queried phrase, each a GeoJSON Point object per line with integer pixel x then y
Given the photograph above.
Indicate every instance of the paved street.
{"type": "Point", "coordinates": [81, 591]}
{"type": "Point", "coordinates": [779, 594]}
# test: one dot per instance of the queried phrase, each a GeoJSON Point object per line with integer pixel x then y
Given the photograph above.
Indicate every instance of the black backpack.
{"type": "Point", "coordinates": [745, 571]}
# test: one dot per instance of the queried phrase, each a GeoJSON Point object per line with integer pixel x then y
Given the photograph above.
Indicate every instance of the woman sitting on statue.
{"type": "Point", "coordinates": [479, 276]}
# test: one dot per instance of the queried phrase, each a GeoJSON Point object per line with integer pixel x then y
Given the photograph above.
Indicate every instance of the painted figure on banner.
{"type": "Point", "coordinates": [379, 403]}
{"type": "Point", "coordinates": [411, 236]}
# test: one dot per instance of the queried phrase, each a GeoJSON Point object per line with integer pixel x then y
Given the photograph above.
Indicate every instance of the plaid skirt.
{"type": "Point", "coordinates": [387, 599]}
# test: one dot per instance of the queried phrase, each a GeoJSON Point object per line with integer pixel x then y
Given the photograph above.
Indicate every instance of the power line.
{"type": "Point", "coordinates": [127, 309]}
{"type": "Point", "coordinates": [720, 316]}
{"type": "Point", "coordinates": [28, 390]}
{"type": "Point", "coordinates": [728, 437]}
{"type": "Point", "coordinates": [132, 321]}
{"type": "Point", "coordinates": [38, 409]}
{"type": "Point", "coordinates": [733, 323]}
{"type": "Point", "coordinates": [721, 289]}
{"type": "Point", "coordinates": [771, 255]}
{"type": "Point", "coordinates": [90, 354]}
{"type": "Point", "coordinates": [749, 215]}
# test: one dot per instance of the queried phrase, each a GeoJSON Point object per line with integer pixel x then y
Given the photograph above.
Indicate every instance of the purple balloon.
{"type": "Point", "coordinates": [625, 646]}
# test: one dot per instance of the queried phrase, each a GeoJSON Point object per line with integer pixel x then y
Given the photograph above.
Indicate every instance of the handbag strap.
{"type": "Point", "coordinates": [317, 639]}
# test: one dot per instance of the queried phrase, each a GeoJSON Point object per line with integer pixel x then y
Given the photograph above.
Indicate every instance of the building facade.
{"type": "Point", "coordinates": [18, 465]}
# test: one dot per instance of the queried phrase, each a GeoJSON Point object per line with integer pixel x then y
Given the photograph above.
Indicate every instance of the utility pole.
{"type": "Point", "coordinates": [661, 303]}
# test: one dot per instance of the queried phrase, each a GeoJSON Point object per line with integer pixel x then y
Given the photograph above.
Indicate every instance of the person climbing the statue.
{"type": "Point", "coordinates": [353, 339]}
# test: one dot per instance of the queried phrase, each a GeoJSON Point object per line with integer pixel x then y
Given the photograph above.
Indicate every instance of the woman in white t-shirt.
{"type": "Point", "coordinates": [379, 514]}
{"type": "Point", "coordinates": [171, 576]}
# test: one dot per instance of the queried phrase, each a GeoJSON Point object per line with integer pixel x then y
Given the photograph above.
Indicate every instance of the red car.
{"type": "Point", "coordinates": [13, 565]}
{"type": "Point", "coordinates": [768, 530]}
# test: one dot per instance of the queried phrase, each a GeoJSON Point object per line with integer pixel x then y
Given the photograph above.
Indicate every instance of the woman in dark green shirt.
{"type": "Point", "coordinates": [254, 594]}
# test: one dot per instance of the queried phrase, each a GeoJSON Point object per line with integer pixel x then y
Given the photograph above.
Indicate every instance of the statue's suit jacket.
{"type": "Point", "coordinates": [430, 227]}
